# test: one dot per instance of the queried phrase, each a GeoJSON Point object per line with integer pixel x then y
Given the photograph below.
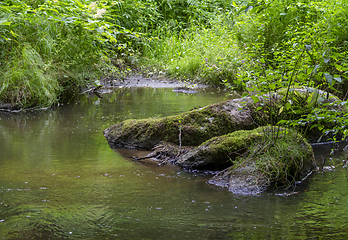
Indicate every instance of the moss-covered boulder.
{"type": "Point", "coordinates": [196, 126]}
{"type": "Point", "coordinates": [274, 157]}
{"type": "Point", "coordinates": [220, 152]}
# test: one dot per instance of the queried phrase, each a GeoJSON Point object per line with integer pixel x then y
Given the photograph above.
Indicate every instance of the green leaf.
{"type": "Point", "coordinates": [245, 94]}
{"type": "Point", "coordinates": [328, 78]}
{"type": "Point", "coordinates": [338, 79]}
{"type": "Point", "coordinates": [315, 69]}
{"type": "Point", "coordinates": [313, 126]}
{"type": "Point", "coordinates": [4, 22]}
{"type": "Point", "coordinates": [281, 110]}
{"type": "Point", "coordinates": [256, 99]}
{"type": "Point", "coordinates": [272, 86]}
{"type": "Point", "coordinates": [340, 68]}
{"type": "Point", "coordinates": [331, 40]}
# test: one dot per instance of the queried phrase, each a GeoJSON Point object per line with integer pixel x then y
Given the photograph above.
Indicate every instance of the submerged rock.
{"type": "Point", "coordinates": [241, 181]}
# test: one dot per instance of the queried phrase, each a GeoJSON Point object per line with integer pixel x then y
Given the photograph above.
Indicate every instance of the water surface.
{"type": "Point", "coordinates": [59, 179]}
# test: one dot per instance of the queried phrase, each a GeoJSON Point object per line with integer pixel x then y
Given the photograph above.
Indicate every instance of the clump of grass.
{"type": "Point", "coordinates": [25, 81]}
{"type": "Point", "coordinates": [49, 50]}
{"type": "Point", "coordinates": [208, 54]}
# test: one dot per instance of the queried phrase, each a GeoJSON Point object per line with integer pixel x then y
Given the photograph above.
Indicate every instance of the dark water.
{"type": "Point", "coordinates": [59, 179]}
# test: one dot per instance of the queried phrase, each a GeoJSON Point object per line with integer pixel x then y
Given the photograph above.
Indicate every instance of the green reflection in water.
{"type": "Point", "coordinates": [60, 180]}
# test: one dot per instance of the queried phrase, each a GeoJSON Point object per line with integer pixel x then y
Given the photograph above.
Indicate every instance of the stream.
{"type": "Point", "coordinates": [59, 179]}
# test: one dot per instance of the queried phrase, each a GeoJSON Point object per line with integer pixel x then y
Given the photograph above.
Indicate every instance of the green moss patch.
{"type": "Point", "coordinates": [196, 126]}
{"type": "Point", "coordinates": [218, 152]}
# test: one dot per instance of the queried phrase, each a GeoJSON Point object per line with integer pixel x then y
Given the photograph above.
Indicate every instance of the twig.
{"type": "Point", "coordinates": [179, 142]}
{"type": "Point", "coordinates": [142, 158]}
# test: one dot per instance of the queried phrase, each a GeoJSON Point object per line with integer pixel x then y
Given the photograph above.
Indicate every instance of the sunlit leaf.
{"type": "Point", "coordinates": [338, 79]}
{"type": "Point", "coordinates": [281, 110]}
{"type": "Point", "coordinates": [256, 99]}
{"type": "Point", "coordinates": [328, 78]}
{"type": "Point", "coordinates": [315, 69]}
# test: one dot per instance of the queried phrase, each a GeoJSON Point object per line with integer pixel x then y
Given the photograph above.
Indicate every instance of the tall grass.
{"type": "Point", "coordinates": [202, 53]}
{"type": "Point", "coordinates": [52, 49]}
{"type": "Point", "coordinates": [26, 82]}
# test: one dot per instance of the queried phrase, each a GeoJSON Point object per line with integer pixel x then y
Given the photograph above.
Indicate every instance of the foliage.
{"type": "Point", "coordinates": [291, 44]}
{"type": "Point", "coordinates": [52, 48]}
{"type": "Point", "coordinates": [198, 53]}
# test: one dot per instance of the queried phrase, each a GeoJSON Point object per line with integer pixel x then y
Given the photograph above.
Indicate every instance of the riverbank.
{"type": "Point", "coordinates": [137, 80]}
{"type": "Point", "coordinates": [157, 81]}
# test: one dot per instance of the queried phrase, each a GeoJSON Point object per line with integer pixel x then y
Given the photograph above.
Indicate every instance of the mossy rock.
{"type": "Point", "coordinates": [197, 126]}
{"type": "Point", "coordinates": [220, 152]}
{"type": "Point", "coordinates": [266, 162]}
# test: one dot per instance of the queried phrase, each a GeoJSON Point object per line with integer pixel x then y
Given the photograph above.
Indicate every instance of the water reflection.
{"type": "Point", "coordinates": [60, 179]}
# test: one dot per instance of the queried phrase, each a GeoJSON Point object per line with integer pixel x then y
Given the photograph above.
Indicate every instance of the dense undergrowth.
{"type": "Point", "coordinates": [51, 49]}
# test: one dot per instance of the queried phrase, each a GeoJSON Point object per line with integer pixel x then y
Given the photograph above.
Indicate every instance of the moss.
{"type": "Point", "coordinates": [196, 126]}
{"type": "Point", "coordinates": [218, 152]}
